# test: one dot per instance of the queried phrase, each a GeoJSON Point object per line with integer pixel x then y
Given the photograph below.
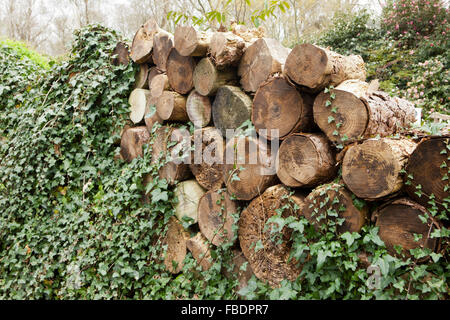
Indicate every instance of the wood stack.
{"type": "Point", "coordinates": [329, 121]}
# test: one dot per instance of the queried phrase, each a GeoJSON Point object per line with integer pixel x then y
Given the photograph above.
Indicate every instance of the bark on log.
{"type": "Point", "coordinates": [334, 197]}
{"type": "Point", "coordinates": [399, 221]}
{"type": "Point", "coordinates": [180, 71]}
{"type": "Point", "coordinates": [132, 142]}
{"type": "Point", "coordinates": [171, 106]}
{"type": "Point", "coordinates": [363, 114]}
{"type": "Point", "coordinates": [175, 240]}
{"type": "Point", "coordinates": [270, 263]}
{"type": "Point", "coordinates": [316, 68]}
{"type": "Point", "coordinates": [121, 54]}
{"type": "Point", "coordinates": [306, 160]}
{"type": "Point", "coordinates": [139, 99]}
{"type": "Point", "coordinates": [141, 77]}
{"type": "Point", "coordinates": [159, 84]}
{"type": "Point", "coordinates": [200, 250]}
{"type": "Point", "coordinates": [372, 170]}
{"type": "Point", "coordinates": [265, 57]}
{"type": "Point", "coordinates": [231, 108]}
{"type": "Point", "coordinates": [207, 79]}
{"type": "Point", "coordinates": [188, 194]}
{"type": "Point", "coordinates": [190, 42]}
{"type": "Point", "coordinates": [226, 49]}
{"type": "Point", "coordinates": [215, 217]}
{"type": "Point", "coordinates": [141, 49]}
{"type": "Point", "coordinates": [170, 170]}
{"type": "Point", "coordinates": [278, 105]}
{"type": "Point", "coordinates": [162, 44]}
{"type": "Point", "coordinates": [198, 109]}
{"type": "Point", "coordinates": [208, 157]}
{"type": "Point", "coordinates": [427, 167]}
{"type": "Point", "coordinates": [251, 170]}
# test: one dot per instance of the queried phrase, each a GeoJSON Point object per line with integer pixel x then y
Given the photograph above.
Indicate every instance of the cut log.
{"type": "Point", "coordinates": [121, 54]}
{"type": "Point", "coordinates": [151, 116]}
{"type": "Point", "coordinates": [175, 240]}
{"type": "Point", "coordinates": [141, 49]}
{"type": "Point", "coordinates": [141, 77]}
{"type": "Point", "coordinates": [215, 217]}
{"type": "Point", "coordinates": [207, 79]}
{"type": "Point", "coordinates": [180, 71]}
{"type": "Point", "coordinates": [227, 49]}
{"type": "Point", "coordinates": [162, 44]}
{"type": "Point", "coordinates": [306, 160]}
{"type": "Point", "coordinates": [152, 73]}
{"type": "Point", "coordinates": [170, 170]}
{"type": "Point", "coordinates": [171, 106]}
{"type": "Point", "coordinates": [231, 108]}
{"type": "Point", "coordinates": [335, 199]}
{"type": "Point", "coordinates": [208, 158]}
{"type": "Point", "coordinates": [190, 42]}
{"type": "Point", "coordinates": [159, 84]}
{"type": "Point", "coordinates": [356, 113]}
{"type": "Point", "coordinates": [249, 167]}
{"type": "Point", "coordinates": [265, 57]}
{"type": "Point", "coordinates": [399, 221]}
{"type": "Point", "coordinates": [372, 170]}
{"type": "Point", "coordinates": [198, 109]}
{"type": "Point", "coordinates": [200, 250]}
{"type": "Point", "coordinates": [316, 68]}
{"type": "Point", "coordinates": [278, 105]}
{"type": "Point", "coordinates": [132, 142]}
{"type": "Point", "coordinates": [139, 99]}
{"type": "Point", "coordinates": [243, 273]}
{"type": "Point", "coordinates": [267, 255]}
{"type": "Point", "coordinates": [427, 170]}
{"type": "Point", "coordinates": [188, 194]}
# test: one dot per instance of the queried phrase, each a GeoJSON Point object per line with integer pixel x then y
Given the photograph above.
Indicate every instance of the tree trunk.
{"type": "Point", "coordinates": [268, 259]}
{"type": "Point", "coordinates": [357, 113]}
{"type": "Point", "coordinates": [207, 79]}
{"type": "Point", "coordinates": [334, 198]}
{"type": "Point", "coordinates": [139, 99]}
{"type": "Point", "coordinates": [316, 68]}
{"type": "Point", "coordinates": [207, 158]}
{"type": "Point", "coordinates": [227, 49]}
{"type": "Point", "coordinates": [372, 170]}
{"type": "Point", "coordinates": [198, 109]}
{"type": "Point", "coordinates": [141, 49]}
{"type": "Point", "coordinates": [175, 240]}
{"type": "Point", "coordinates": [141, 77]}
{"type": "Point", "coordinates": [399, 221]}
{"type": "Point", "coordinates": [159, 84]}
{"type": "Point", "coordinates": [162, 44]}
{"type": "Point", "coordinates": [132, 142]}
{"type": "Point", "coordinates": [278, 105]}
{"type": "Point", "coordinates": [426, 172]}
{"type": "Point", "coordinates": [306, 160]}
{"type": "Point", "coordinates": [188, 193]}
{"type": "Point", "coordinates": [231, 108]}
{"type": "Point", "coordinates": [121, 55]}
{"type": "Point", "coordinates": [171, 106]}
{"type": "Point", "coordinates": [215, 217]}
{"type": "Point", "coordinates": [170, 170]}
{"type": "Point", "coordinates": [190, 42]}
{"type": "Point", "coordinates": [200, 250]}
{"type": "Point", "coordinates": [180, 71]}
{"type": "Point", "coordinates": [249, 167]}
{"type": "Point", "coordinates": [265, 57]}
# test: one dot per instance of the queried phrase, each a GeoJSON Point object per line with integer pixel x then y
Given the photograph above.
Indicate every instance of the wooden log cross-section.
{"type": "Point", "coordinates": [141, 77]}
{"type": "Point", "coordinates": [316, 68]}
{"type": "Point", "coordinates": [162, 44]}
{"type": "Point", "coordinates": [159, 84]}
{"type": "Point", "coordinates": [268, 259]}
{"type": "Point", "coordinates": [180, 70]}
{"type": "Point", "coordinates": [188, 194]}
{"type": "Point", "coordinates": [278, 105]}
{"type": "Point", "coordinates": [198, 109]}
{"type": "Point", "coordinates": [305, 160]}
{"type": "Point", "coordinates": [120, 55]}
{"type": "Point", "coordinates": [171, 106]}
{"type": "Point", "coordinates": [226, 49]}
{"type": "Point", "coordinates": [265, 57]}
{"type": "Point", "coordinates": [207, 79]}
{"type": "Point", "coordinates": [372, 170]}
{"type": "Point", "coordinates": [139, 100]}
{"type": "Point", "coordinates": [132, 142]}
{"type": "Point", "coordinates": [357, 113]}
{"type": "Point", "coordinates": [141, 48]}
{"type": "Point", "coordinates": [175, 239]}
{"type": "Point", "coordinates": [200, 250]}
{"type": "Point", "coordinates": [190, 42]}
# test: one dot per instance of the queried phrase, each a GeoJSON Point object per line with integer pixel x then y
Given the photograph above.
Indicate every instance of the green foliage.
{"type": "Point", "coordinates": [25, 52]}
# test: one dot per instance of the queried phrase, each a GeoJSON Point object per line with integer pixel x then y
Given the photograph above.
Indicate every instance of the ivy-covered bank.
{"type": "Point", "coordinates": [73, 223]}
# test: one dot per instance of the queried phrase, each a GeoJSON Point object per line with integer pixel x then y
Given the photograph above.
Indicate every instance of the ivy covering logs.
{"type": "Point", "coordinates": [344, 151]}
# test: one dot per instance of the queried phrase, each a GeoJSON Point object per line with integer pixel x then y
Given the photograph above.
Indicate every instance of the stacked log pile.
{"type": "Point", "coordinates": [330, 122]}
